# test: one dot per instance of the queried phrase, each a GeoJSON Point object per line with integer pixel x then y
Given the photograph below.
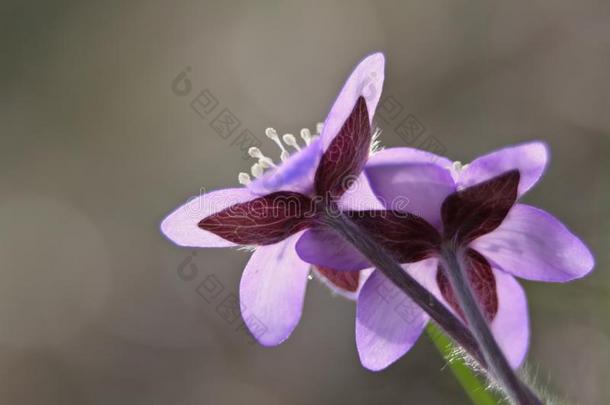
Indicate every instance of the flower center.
{"type": "Point", "coordinates": [264, 162]}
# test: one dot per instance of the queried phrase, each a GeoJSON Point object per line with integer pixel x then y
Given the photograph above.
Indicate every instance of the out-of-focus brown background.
{"type": "Point", "coordinates": [96, 148]}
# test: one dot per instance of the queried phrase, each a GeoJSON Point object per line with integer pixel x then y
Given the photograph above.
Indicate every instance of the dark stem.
{"type": "Point", "coordinates": [385, 262]}
{"type": "Point", "coordinates": [493, 355]}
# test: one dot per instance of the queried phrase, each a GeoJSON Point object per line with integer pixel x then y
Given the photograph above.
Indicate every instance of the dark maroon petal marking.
{"type": "Point", "coordinates": [346, 280]}
{"type": "Point", "coordinates": [262, 221]}
{"type": "Point", "coordinates": [346, 155]}
{"type": "Point", "coordinates": [478, 210]}
{"type": "Point", "coordinates": [482, 281]}
{"type": "Point", "coordinates": [408, 237]}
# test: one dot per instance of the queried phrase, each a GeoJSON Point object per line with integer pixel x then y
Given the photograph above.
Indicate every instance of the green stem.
{"type": "Point", "coordinates": [473, 385]}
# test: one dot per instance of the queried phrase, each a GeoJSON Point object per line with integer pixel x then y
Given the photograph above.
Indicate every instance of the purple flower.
{"type": "Point", "coordinates": [472, 207]}
{"type": "Point", "coordinates": [273, 210]}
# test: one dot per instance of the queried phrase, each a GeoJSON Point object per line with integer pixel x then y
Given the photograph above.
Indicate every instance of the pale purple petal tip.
{"type": "Point", "coordinates": [181, 227]}
{"type": "Point", "coordinates": [272, 291]}
{"type": "Point", "coordinates": [325, 248]}
{"type": "Point", "coordinates": [388, 323]}
{"type": "Point", "coordinates": [529, 158]}
{"type": "Point", "coordinates": [367, 81]}
{"type": "Point", "coordinates": [511, 323]}
{"type": "Point", "coordinates": [534, 245]}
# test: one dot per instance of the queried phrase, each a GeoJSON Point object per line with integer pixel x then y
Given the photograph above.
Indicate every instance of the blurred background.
{"type": "Point", "coordinates": [98, 144]}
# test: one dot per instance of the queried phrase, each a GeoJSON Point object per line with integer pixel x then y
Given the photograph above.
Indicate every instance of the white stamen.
{"type": "Point", "coordinates": [272, 134]}
{"type": "Point", "coordinates": [266, 163]}
{"type": "Point", "coordinates": [306, 136]}
{"type": "Point", "coordinates": [457, 166]}
{"type": "Point", "coordinates": [255, 152]}
{"type": "Point", "coordinates": [263, 160]}
{"type": "Point", "coordinates": [319, 127]}
{"type": "Point", "coordinates": [256, 170]}
{"type": "Point", "coordinates": [244, 178]}
{"type": "Point", "coordinates": [290, 140]}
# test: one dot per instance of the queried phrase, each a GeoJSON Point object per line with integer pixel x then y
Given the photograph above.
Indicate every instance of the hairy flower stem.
{"type": "Point", "coordinates": [385, 262]}
{"type": "Point", "coordinates": [495, 359]}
